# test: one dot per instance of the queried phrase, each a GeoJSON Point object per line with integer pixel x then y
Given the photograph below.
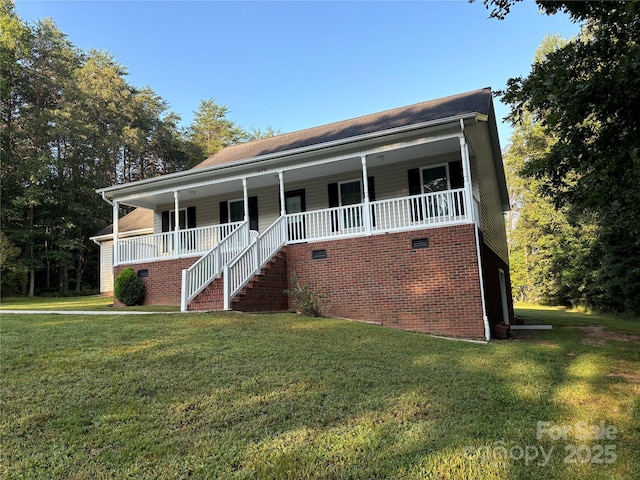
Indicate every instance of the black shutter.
{"type": "Point", "coordinates": [166, 226]}
{"type": "Point", "coordinates": [372, 198]}
{"type": "Point", "coordinates": [414, 182]}
{"type": "Point", "coordinates": [334, 201]}
{"type": "Point", "coordinates": [191, 217]}
{"type": "Point", "coordinates": [224, 212]}
{"type": "Point", "coordinates": [415, 189]}
{"type": "Point", "coordinates": [455, 174]}
{"type": "Point", "coordinates": [253, 213]}
{"type": "Point", "coordinates": [372, 189]}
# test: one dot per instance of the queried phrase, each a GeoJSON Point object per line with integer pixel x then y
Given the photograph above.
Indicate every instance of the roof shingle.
{"type": "Point", "coordinates": [477, 101]}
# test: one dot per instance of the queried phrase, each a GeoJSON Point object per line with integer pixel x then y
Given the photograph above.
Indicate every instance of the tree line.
{"type": "Point", "coordinates": [71, 123]}
{"type": "Point", "coordinates": [573, 162]}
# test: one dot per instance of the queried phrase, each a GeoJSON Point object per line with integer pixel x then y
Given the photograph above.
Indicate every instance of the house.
{"type": "Point", "coordinates": [138, 222]}
{"type": "Point", "coordinates": [396, 218]}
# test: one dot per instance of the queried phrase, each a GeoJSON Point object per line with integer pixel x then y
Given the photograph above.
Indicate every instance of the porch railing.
{"type": "Point", "coordinates": [239, 271]}
{"type": "Point", "coordinates": [191, 242]}
{"type": "Point", "coordinates": [396, 214]}
{"type": "Point", "coordinates": [209, 266]}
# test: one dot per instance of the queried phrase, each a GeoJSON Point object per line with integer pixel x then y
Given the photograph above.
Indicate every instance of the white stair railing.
{"type": "Point", "coordinates": [209, 266]}
{"type": "Point", "coordinates": [240, 270]}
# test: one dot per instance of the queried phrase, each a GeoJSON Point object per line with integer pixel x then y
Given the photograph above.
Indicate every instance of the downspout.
{"type": "Point", "coordinates": [467, 167]}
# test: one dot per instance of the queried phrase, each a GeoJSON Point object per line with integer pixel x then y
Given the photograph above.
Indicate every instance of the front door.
{"type": "Point", "coordinates": [294, 202]}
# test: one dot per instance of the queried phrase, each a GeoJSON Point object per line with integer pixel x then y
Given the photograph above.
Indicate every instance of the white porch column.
{"type": "Point", "coordinates": [245, 194]}
{"type": "Point", "coordinates": [116, 232]}
{"type": "Point", "coordinates": [176, 223]}
{"type": "Point", "coordinates": [466, 176]}
{"type": "Point", "coordinates": [366, 207]}
{"type": "Point", "coordinates": [283, 207]}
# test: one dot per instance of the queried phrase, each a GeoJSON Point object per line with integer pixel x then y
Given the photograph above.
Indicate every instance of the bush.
{"type": "Point", "coordinates": [129, 289]}
{"type": "Point", "coordinates": [303, 298]}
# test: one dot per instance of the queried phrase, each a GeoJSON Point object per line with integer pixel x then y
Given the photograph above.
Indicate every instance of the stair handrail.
{"type": "Point", "coordinates": [238, 272]}
{"type": "Point", "coordinates": [209, 267]}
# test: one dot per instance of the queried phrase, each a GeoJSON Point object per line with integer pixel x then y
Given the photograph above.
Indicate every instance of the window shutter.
{"type": "Point", "coordinates": [372, 189]}
{"type": "Point", "coordinates": [455, 174]}
{"type": "Point", "coordinates": [191, 217]}
{"type": "Point", "coordinates": [253, 213]}
{"type": "Point", "coordinates": [414, 181]}
{"type": "Point", "coordinates": [224, 212]}
{"type": "Point", "coordinates": [165, 221]}
{"type": "Point", "coordinates": [334, 201]}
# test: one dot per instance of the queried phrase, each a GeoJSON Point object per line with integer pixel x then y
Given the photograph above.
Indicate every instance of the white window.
{"type": "Point", "coordinates": [435, 179]}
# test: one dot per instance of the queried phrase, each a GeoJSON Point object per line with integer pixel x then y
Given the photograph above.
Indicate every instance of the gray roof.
{"type": "Point", "coordinates": [137, 219]}
{"type": "Point", "coordinates": [477, 101]}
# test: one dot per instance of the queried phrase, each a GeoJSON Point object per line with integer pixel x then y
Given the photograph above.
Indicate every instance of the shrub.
{"type": "Point", "coordinates": [129, 289]}
{"type": "Point", "coordinates": [303, 298]}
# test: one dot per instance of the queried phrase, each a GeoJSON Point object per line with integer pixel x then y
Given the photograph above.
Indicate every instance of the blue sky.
{"type": "Point", "coordinates": [294, 65]}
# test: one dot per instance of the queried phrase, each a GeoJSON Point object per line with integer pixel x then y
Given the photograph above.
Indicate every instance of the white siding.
{"type": "Point", "coordinates": [106, 266]}
{"type": "Point", "coordinates": [493, 228]}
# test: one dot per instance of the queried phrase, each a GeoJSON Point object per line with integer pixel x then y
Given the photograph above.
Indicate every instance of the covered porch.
{"type": "Point", "coordinates": [333, 196]}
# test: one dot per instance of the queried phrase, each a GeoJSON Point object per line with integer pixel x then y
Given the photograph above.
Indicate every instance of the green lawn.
{"type": "Point", "coordinates": [89, 302]}
{"type": "Point", "coordinates": [284, 396]}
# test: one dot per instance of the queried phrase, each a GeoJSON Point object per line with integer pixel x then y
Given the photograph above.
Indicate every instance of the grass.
{"type": "Point", "coordinates": [283, 396]}
{"type": "Point", "coordinates": [82, 303]}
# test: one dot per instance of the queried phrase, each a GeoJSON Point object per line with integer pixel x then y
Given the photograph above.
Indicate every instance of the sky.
{"type": "Point", "coordinates": [298, 64]}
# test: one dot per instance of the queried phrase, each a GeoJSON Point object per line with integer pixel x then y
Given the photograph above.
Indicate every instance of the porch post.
{"type": "Point", "coordinates": [366, 207]}
{"type": "Point", "coordinates": [283, 207]}
{"type": "Point", "coordinates": [466, 176]}
{"type": "Point", "coordinates": [116, 231]}
{"type": "Point", "coordinates": [176, 223]}
{"type": "Point", "coordinates": [246, 208]}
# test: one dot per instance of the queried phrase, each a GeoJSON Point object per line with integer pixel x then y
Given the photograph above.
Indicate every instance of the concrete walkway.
{"type": "Point", "coordinates": [83, 312]}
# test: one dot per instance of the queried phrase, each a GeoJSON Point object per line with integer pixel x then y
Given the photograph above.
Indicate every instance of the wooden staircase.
{"type": "Point", "coordinates": [263, 293]}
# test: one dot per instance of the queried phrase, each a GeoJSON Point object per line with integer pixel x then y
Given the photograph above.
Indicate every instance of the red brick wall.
{"type": "Point", "coordinates": [382, 279]}
{"type": "Point", "coordinates": [164, 281]}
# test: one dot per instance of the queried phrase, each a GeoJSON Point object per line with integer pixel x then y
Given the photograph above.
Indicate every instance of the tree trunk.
{"type": "Point", "coordinates": [79, 270]}
{"type": "Point", "coordinates": [32, 280]}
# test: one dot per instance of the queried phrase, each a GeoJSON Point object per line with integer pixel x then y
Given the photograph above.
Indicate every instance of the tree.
{"type": "Point", "coordinates": [586, 95]}
{"type": "Point", "coordinates": [211, 130]}
{"type": "Point", "coordinates": [71, 123]}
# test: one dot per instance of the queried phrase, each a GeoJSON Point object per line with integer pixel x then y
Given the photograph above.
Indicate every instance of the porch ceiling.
{"type": "Point", "coordinates": [294, 172]}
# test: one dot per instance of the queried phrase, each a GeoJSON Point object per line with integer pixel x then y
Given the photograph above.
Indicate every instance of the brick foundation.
{"type": "Point", "coordinates": [383, 279]}
{"type": "Point", "coordinates": [380, 278]}
{"type": "Point", "coordinates": [164, 280]}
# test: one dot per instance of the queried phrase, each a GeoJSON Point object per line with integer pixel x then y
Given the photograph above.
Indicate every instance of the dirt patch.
{"type": "Point", "coordinates": [598, 335]}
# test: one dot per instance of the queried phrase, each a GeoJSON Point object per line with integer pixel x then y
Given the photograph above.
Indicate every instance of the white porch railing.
{"type": "Point", "coordinates": [161, 246]}
{"type": "Point", "coordinates": [396, 214]}
{"type": "Point", "coordinates": [239, 271]}
{"type": "Point", "coordinates": [209, 266]}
